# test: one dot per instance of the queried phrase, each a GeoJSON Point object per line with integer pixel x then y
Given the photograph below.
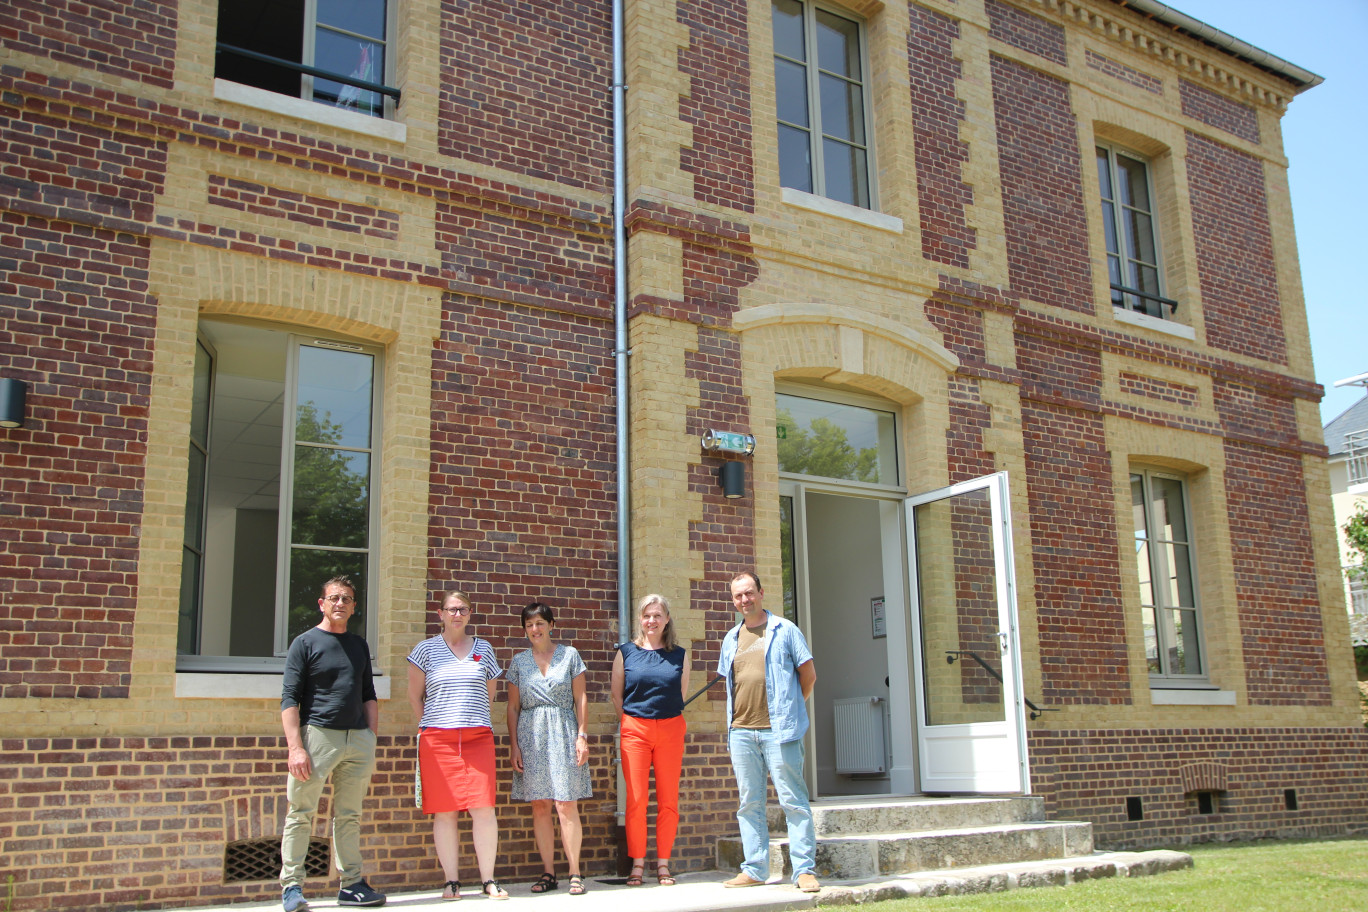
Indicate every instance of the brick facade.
{"type": "Point", "coordinates": [941, 154]}
{"type": "Point", "coordinates": [1240, 291]}
{"type": "Point", "coordinates": [1250, 769]}
{"type": "Point", "coordinates": [1046, 224]}
{"type": "Point", "coordinates": [540, 111]}
{"type": "Point", "coordinates": [1215, 110]}
{"type": "Point", "coordinates": [470, 243]}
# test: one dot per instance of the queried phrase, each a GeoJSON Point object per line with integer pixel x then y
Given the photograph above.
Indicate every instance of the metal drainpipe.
{"type": "Point", "coordinates": [621, 352]}
{"type": "Point", "coordinates": [620, 323]}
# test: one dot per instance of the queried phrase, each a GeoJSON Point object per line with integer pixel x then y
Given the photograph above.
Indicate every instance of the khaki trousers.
{"type": "Point", "coordinates": [348, 757]}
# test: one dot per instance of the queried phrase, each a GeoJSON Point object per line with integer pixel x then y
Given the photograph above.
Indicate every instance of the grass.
{"type": "Point", "coordinates": [1263, 876]}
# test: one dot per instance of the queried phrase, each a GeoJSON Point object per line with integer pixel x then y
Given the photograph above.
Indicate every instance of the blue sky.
{"type": "Point", "coordinates": [1325, 129]}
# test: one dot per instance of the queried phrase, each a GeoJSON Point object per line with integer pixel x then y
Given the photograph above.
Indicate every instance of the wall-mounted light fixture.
{"type": "Point", "coordinates": [731, 475]}
{"type": "Point", "coordinates": [13, 393]}
{"type": "Point", "coordinates": [728, 442]}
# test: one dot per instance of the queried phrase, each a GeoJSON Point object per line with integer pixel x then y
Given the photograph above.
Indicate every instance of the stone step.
{"type": "Point", "coordinates": [906, 815]}
{"type": "Point", "coordinates": [997, 878]}
{"type": "Point", "coordinates": [854, 856]}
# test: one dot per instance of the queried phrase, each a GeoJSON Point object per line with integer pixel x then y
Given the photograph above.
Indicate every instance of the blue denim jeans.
{"type": "Point", "coordinates": [756, 753]}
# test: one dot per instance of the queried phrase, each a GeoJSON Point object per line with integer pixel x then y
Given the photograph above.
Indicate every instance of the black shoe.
{"type": "Point", "coordinates": [359, 894]}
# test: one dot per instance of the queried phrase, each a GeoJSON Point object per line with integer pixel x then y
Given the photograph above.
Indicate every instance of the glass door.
{"type": "Point", "coordinates": [972, 720]}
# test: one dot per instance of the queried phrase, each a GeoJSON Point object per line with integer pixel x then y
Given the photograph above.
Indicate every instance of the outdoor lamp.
{"type": "Point", "coordinates": [12, 396]}
{"type": "Point", "coordinates": [732, 478]}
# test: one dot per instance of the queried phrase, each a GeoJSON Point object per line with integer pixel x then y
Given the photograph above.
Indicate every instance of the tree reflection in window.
{"type": "Point", "coordinates": [330, 511]}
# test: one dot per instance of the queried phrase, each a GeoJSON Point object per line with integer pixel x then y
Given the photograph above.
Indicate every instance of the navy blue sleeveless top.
{"type": "Point", "coordinates": [650, 682]}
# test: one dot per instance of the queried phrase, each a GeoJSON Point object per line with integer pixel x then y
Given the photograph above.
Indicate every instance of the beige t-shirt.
{"type": "Point", "coordinates": [750, 708]}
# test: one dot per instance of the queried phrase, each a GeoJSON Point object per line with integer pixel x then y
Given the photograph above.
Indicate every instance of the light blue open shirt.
{"type": "Point", "coordinates": [785, 651]}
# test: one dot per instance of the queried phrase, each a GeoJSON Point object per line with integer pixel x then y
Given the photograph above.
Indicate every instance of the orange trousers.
{"type": "Point", "coordinates": [647, 743]}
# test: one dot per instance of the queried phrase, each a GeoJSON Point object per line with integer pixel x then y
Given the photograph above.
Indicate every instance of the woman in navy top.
{"type": "Point", "coordinates": [650, 679]}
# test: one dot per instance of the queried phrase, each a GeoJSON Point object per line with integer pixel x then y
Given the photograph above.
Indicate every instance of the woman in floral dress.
{"type": "Point", "coordinates": [547, 710]}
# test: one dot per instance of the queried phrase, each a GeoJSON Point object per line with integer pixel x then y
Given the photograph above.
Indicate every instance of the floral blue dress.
{"type": "Point", "coordinates": [547, 728]}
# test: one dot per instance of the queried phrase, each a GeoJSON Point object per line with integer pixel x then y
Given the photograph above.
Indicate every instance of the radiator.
{"type": "Point", "coordinates": [860, 735]}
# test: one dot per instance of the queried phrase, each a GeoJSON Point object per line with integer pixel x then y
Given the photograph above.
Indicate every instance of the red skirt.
{"type": "Point", "coordinates": [457, 766]}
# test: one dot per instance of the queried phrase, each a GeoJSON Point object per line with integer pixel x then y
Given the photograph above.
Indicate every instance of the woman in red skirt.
{"type": "Point", "coordinates": [451, 685]}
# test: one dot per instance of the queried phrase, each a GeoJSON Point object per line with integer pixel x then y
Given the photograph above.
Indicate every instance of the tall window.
{"type": "Point", "coordinates": [1128, 220]}
{"type": "Point", "coordinates": [820, 91]}
{"type": "Point", "coordinates": [1168, 593]}
{"type": "Point", "coordinates": [282, 475]}
{"type": "Point", "coordinates": [322, 50]}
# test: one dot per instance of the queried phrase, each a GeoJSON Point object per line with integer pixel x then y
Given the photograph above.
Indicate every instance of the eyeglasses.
{"type": "Point", "coordinates": [461, 611]}
{"type": "Point", "coordinates": [340, 599]}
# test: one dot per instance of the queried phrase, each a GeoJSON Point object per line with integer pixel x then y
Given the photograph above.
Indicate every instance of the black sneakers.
{"type": "Point", "coordinates": [359, 894]}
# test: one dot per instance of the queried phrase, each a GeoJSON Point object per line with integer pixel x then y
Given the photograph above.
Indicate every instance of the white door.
{"type": "Point", "coordinates": [972, 723]}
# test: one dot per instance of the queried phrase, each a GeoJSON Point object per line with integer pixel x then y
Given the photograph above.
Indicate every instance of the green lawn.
{"type": "Point", "coordinates": [1264, 876]}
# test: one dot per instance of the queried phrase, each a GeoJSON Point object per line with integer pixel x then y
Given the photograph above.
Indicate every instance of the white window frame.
{"type": "Point", "coordinates": [308, 51]}
{"type": "Point", "coordinates": [855, 400]}
{"type": "Point", "coordinates": [1126, 255]}
{"type": "Point", "coordinates": [294, 341]}
{"type": "Point", "coordinates": [1166, 678]}
{"type": "Point", "coordinates": [813, 92]}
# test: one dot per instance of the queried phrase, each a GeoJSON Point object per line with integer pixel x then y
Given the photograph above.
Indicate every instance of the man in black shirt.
{"type": "Point", "coordinates": [331, 719]}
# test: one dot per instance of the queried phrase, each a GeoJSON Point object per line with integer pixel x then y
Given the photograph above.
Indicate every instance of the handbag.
{"type": "Point", "coordinates": [417, 772]}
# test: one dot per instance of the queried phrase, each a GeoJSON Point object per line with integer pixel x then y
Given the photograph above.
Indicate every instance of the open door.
{"type": "Point", "coordinates": [971, 736]}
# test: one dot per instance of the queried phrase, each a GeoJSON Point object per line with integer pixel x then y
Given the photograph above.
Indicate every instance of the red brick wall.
{"type": "Point", "coordinates": [1161, 390]}
{"type": "Point", "coordinates": [1075, 544]}
{"type": "Point", "coordinates": [1120, 71]}
{"type": "Point", "coordinates": [1284, 647]}
{"type": "Point", "coordinates": [717, 62]}
{"type": "Point", "coordinates": [125, 823]}
{"type": "Point", "coordinates": [1026, 32]}
{"type": "Point", "coordinates": [521, 252]}
{"type": "Point", "coordinates": [76, 324]}
{"type": "Point", "coordinates": [526, 86]}
{"type": "Point", "coordinates": [1216, 110]}
{"type": "Point", "coordinates": [302, 208]}
{"type": "Point", "coordinates": [127, 40]}
{"type": "Point", "coordinates": [1088, 775]}
{"type": "Point", "coordinates": [936, 115]}
{"type": "Point", "coordinates": [1042, 194]}
{"type": "Point", "coordinates": [1234, 242]}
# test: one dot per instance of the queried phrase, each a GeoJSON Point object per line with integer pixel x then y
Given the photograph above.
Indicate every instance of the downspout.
{"type": "Point", "coordinates": [621, 354]}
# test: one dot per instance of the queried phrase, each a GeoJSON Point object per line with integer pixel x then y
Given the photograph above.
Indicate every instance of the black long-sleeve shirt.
{"type": "Point", "coordinates": [328, 676]}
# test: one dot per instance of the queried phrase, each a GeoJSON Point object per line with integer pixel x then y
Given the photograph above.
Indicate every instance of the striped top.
{"type": "Point", "coordinates": [455, 695]}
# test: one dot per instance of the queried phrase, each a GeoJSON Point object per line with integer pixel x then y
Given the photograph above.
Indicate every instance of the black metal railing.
{"type": "Point", "coordinates": [306, 69]}
{"type": "Point", "coordinates": [952, 654]}
{"type": "Point", "coordinates": [1144, 302]}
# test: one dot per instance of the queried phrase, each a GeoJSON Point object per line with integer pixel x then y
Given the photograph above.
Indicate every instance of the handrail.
{"type": "Point", "coordinates": [703, 689]}
{"type": "Point", "coordinates": [1144, 295]}
{"type": "Point", "coordinates": [306, 69]}
{"type": "Point", "coordinates": [950, 655]}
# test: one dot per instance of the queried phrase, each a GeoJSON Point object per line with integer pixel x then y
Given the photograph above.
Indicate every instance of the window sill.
{"type": "Point", "coordinates": [252, 97]}
{"type": "Point", "coordinates": [1181, 330]}
{"type": "Point", "coordinates": [211, 686]}
{"type": "Point", "coordinates": [845, 211]}
{"type": "Point", "coordinates": [1190, 697]}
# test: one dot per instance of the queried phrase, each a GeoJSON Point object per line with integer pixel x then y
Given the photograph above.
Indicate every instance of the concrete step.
{"type": "Point", "coordinates": [855, 856]}
{"type": "Point", "coordinates": [907, 815]}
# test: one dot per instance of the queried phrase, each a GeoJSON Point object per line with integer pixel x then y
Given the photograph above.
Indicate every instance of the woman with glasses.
{"type": "Point", "coordinates": [548, 707]}
{"type": "Point", "coordinates": [451, 687]}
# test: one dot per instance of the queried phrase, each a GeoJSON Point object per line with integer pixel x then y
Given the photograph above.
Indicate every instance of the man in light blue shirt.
{"type": "Point", "coordinates": [770, 675]}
